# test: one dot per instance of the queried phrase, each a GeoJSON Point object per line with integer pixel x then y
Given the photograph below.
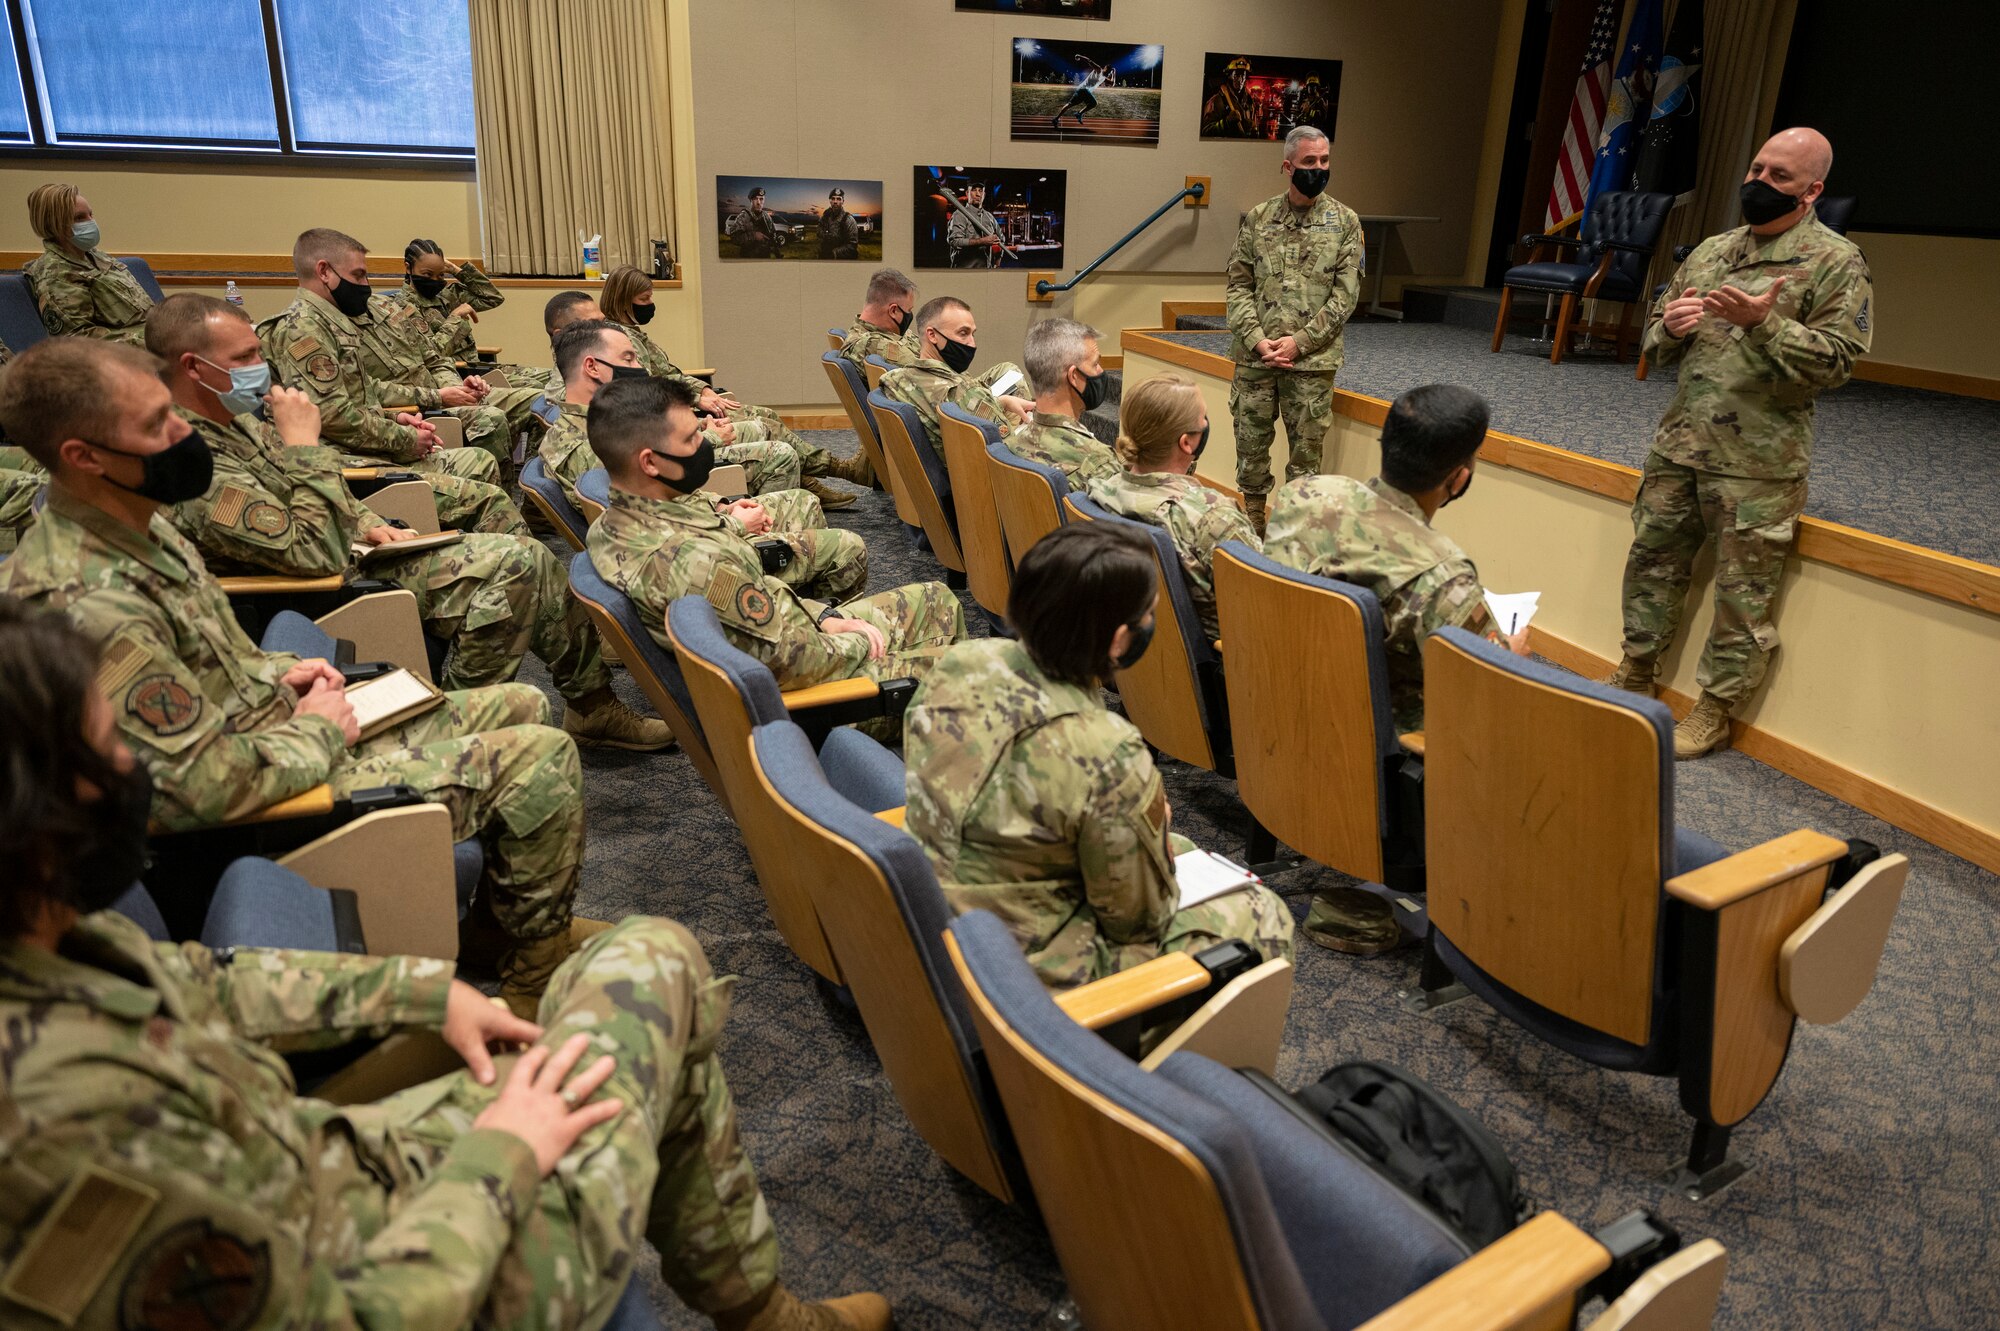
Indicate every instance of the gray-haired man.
{"type": "Point", "coordinates": [1067, 373]}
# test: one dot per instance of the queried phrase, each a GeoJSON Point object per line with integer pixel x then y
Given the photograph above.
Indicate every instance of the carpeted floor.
{"type": "Point", "coordinates": [1875, 1197]}
{"type": "Point", "coordinates": [1900, 462]}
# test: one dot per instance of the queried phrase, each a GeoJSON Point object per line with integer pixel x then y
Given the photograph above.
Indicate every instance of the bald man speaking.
{"type": "Point", "coordinates": [1760, 320]}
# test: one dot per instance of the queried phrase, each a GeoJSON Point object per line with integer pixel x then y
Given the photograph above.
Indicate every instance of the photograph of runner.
{"type": "Point", "coordinates": [1044, 8]}
{"type": "Point", "coordinates": [1086, 92]}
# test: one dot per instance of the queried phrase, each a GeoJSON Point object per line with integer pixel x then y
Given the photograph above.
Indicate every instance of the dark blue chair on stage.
{"type": "Point", "coordinates": [1607, 261]}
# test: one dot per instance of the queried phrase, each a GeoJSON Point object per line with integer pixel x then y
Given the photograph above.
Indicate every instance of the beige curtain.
{"type": "Point", "coordinates": [570, 100]}
{"type": "Point", "coordinates": [1739, 38]}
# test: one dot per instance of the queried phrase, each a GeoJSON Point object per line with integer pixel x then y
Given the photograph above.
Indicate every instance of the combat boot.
{"type": "Point", "coordinates": [1346, 919]}
{"type": "Point", "coordinates": [1704, 730]}
{"type": "Point", "coordinates": [778, 1309]}
{"type": "Point", "coordinates": [856, 470]}
{"type": "Point", "coordinates": [1634, 677]}
{"type": "Point", "coordinates": [828, 496]}
{"type": "Point", "coordinates": [1253, 508]}
{"type": "Point", "coordinates": [525, 971]}
{"type": "Point", "coordinates": [613, 725]}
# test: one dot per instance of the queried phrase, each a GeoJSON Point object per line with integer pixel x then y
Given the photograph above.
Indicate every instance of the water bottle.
{"type": "Point", "coordinates": [232, 295]}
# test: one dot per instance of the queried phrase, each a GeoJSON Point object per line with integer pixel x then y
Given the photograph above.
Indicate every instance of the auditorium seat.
{"type": "Point", "coordinates": [142, 271]}
{"type": "Point", "coordinates": [20, 322]}
{"type": "Point", "coordinates": [988, 568]}
{"type": "Point", "coordinates": [851, 391]}
{"type": "Point", "coordinates": [367, 626]}
{"type": "Point", "coordinates": [1611, 252]}
{"type": "Point", "coordinates": [1028, 494]}
{"type": "Point", "coordinates": [259, 904]}
{"type": "Point", "coordinates": [921, 476]}
{"type": "Point", "coordinates": [1175, 692]}
{"type": "Point", "coordinates": [1190, 1195]}
{"type": "Point", "coordinates": [547, 495]}
{"type": "Point", "coordinates": [1318, 761]}
{"type": "Point", "coordinates": [836, 338]}
{"type": "Point", "coordinates": [1564, 895]}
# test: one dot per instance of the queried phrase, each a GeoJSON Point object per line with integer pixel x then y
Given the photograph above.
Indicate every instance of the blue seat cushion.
{"type": "Point", "coordinates": [1568, 278]}
{"type": "Point", "coordinates": [1693, 851]}
{"type": "Point", "coordinates": [864, 771]}
{"type": "Point", "coordinates": [634, 1311]}
{"type": "Point", "coordinates": [260, 904]}
{"type": "Point", "coordinates": [138, 906]}
{"type": "Point", "coordinates": [290, 631]}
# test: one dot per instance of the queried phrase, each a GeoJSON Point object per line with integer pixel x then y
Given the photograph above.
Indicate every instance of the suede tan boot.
{"type": "Point", "coordinates": [778, 1309]}
{"type": "Point", "coordinates": [616, 726]}
{"type": "Point", "coordinates": [828, 496]}
{"type": "Point", "coordinates": [1633, 677]}
{"type": "Point", "coordinates": [1253, 508]}
{"type": "Point", "coordinates": [525, 971]}
{"type": "Point", "coordinates": [855, 470]}
{"type": "Point", "coordinates": [1704, 730]}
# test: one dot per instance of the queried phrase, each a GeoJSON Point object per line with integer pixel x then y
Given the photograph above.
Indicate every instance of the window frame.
{"type": "Point", "coordinates": [136, 148]}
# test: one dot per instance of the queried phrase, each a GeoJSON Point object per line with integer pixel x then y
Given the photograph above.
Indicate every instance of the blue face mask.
{"type": "Point", "coordinates": [85, 235]}
{"type": "Point", "coordinates": [248, 386]}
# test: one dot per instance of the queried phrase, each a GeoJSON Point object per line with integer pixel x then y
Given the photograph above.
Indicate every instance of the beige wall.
{"type": "Point", "coordinates": [1934, 301]}
{"type": "Point", "coordinates": [1929, 736]}
{"type": "Point", "coordinates": [1412, 113]}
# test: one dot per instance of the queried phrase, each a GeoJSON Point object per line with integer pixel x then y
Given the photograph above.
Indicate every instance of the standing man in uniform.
{"type": "Point", "coordinates": [973, 235]}
{"type": "Point", "coordinates": [1761, 319]}
{"type": "Point", "coordinates": [883, 326]}
{"type": "Point", "coordinates": [755, 230]}
{"type": "Point", "coordinates": [839, 233]}
{"type": "Point", "coordinates": [1293, 281]}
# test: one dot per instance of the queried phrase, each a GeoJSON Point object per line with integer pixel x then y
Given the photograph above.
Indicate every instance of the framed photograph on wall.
{"type": "Point", "coordinates": [1087, 92]}
{"type": "Point", "coordinates": [1040, 8]}
{"type": "Point", "coordinates": [793, 217]}
{"type": "Point", "coordinates": [988, 217]}
{"type": "Point", "coordinates": [1265, 96]}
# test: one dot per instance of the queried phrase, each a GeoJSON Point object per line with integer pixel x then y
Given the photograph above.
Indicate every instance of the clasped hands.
{"type": "Point", "coordinates": [1278, 352]}
{"type": "Point", "coordinates": [1684, 311]}
{"type": "Point", "coordinates": [540, 1102]}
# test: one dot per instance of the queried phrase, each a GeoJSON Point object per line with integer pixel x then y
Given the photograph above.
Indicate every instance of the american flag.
{"type": "Point", "coordinates": [1586, 117]}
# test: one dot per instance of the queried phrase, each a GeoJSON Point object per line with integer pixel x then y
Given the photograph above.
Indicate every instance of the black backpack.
{"type": "Point", "coordinates": [1423, 1143]}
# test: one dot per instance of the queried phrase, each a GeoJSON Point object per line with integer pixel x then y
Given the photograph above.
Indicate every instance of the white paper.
{"type": "Point", "coordinates": [1204, 877]}
{"type": "Point", "coordinates": [1513, 611]}
{"type": "Point", "coordinates": [1007, 381]}
{"type": "Point", "coordinates": [385, 696]}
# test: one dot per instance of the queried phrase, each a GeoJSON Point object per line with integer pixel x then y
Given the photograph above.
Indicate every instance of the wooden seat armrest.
{"type": "Point", "coordinates": [893, 817]}
{"type": "Point", "coordinates": [1412, 742]}
{"type": "Point", "coordinates": [307, 804]}
{"type": "Point", "coordinates": [706, 373]}
{"type": "Point", "coordinates": [1142, 988]}
{"type": "Point", "coordinates": [359, 473]}
{"type": "Point", "coordinates": [276, 586]}
{"type": "Point", "coordinates": [833, 691]}
{"type": "Point", "coordinates": [488, 353]}
{"type": "Point", "coordinates": [1748, 872]}
{"type": "Point", "coordinates": [1520, 1280]}
{"type": "Point", "coordinates": [412, 408]}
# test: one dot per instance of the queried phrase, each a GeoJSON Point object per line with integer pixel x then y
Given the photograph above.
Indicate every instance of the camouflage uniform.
{"type": "Point", "coordinates": [864, 339]}
{"type": "Point", "coordinates": [1733, 449]}
{"type": "Point", "coordinates": [18, 488]}
{"type": "Point", "coordinates": [929, 384]}
{"type": "Point", "coordinates": [755, 233]}
{"type": "Point", "coordinates": [658, 550]}
{"type": "Point", "coordinates": [316, 349]}
{"type": "Point", "coordinates": [1063, 442]}
{"type": "Point", "coordinates": [94, 296]}
{"type": "Point", "coordinates": [209, 715]}
{"type": "Point", "coordinates": [1377, 538]}
{"type": "Point", "coordinates": [453, 334]}
{"type": "Point", "coordinates": [399, 354]}
{"type": "Point", "coordinates": [1296, 272]}
{"type": "Point", "coordinates": [1198, 518]}
{"type": "Point", "coordinates": [1035, 802]}
{"type": "Point", "coordinates": [274, 509]}
{"type": "Point", "coordinates": [769, 469]}
{"type": "Point", "coordinates": [754, 425]}
{"type": "Point", "coordinates": [148, 1078]}
{"type": "Point", "coordinates": [962, 236]}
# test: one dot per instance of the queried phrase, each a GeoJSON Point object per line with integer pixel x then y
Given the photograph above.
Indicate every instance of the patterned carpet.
{"type": "Point", "coordinates": [1916, 466]}
{"type": "Point", "coordinates": [1875, 1196]}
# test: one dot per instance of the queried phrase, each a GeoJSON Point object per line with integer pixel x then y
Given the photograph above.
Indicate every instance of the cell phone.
{"type": "Point", "coordinates": [1007, 382]}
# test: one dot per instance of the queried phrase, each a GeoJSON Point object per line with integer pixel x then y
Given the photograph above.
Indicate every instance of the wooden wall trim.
{"type": "Point", "coordinates": [1951, 578]}
{"type": "Point", "coordinates": [1947, 831]}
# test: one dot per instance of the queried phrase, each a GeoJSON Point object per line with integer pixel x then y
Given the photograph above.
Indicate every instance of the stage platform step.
{"type": "Point", "coordinates": [1462, 307]}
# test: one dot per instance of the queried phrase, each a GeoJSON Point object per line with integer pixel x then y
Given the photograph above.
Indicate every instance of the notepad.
{"type": "Point", "coordinates": [389, 701]}
{"type": "Point", "coordinates": [367, 553]}
{"type": "Point", "coordinates": [1204, 876]}
{"type": "Point", "coordinates": [1512, 611]}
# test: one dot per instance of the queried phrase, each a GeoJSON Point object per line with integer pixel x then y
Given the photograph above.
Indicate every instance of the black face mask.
{"type": "Point", "coordinates": [1459, 493]}
{"type": "Point", "coordinates": [173, 475]}
{"type": "Point", "coordinates": [1764, 202]}
{"type": "Point", "coordinates": [903, 322]}
{"type": "Point", "coordinates": [430, 288]}
{"type": "Point", "coordinates": [1142, 638]}
{"type": "Point", "coordinates": [350, 298]}
{"type": "Point", "coordinates": [1309, 180]}
{"type": "Point", "coordinates": [696, 468]}
{"type": "Point", "coordinates": [1200, 444]}
{"type": "Point", "coordinates": [957, 355]}
{"type": "Point", "coordinates": [117, 855]}
{"type": "Point", "coordinates": [643, 314]}
{"type": "Point", "coordinates": [1094, 389]}
{"type": "Point", "coordinates": [624, 371]}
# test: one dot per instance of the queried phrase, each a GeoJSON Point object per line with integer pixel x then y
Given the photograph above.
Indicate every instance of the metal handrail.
{"type": "Point", "coordinates": [1044, 287]}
